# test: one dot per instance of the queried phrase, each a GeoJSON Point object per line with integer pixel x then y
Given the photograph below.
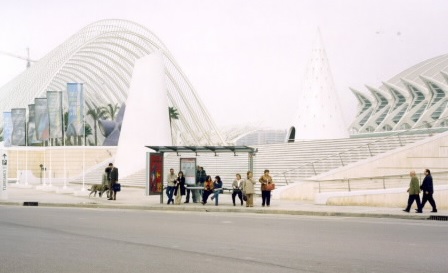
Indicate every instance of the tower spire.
{"type": "Point", "coordinates": [319, 112]}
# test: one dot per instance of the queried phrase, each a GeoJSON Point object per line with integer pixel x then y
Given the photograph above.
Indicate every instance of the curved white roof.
{"type": "Point", "coordinates": [102, 57]}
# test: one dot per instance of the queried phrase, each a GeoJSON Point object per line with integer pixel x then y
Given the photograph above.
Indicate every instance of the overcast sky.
{"type": "Point", "coordinates": [247, 58]}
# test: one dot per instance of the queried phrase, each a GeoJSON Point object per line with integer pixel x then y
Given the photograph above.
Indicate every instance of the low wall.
{"type": "Point", "coordinates": [299, 191]}
{"type": "Point", "coordinates": [379, 198]}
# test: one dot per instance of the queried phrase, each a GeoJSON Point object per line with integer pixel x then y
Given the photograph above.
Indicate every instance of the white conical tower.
{"type": "Point", "coordinates": [319, 112]}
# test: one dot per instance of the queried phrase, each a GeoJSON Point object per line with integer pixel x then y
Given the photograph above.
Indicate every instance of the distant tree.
{"type": "Point", "coordinates": [68, 140]}
{"type": "Point", "coordinates": [96, 114]}
{"type": "Point", "coordinates": [88, 132]}
{"type": "Point", "coordinates": [111, 111]}
{"type": "Point", "coordinates": [173, 114]}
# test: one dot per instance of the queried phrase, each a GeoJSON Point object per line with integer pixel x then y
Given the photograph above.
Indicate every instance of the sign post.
{"type": "Point", "coordinates": [4, 179]}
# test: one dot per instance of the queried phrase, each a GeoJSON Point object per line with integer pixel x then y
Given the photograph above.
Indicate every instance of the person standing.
{"type": "Point", "coordinates": [201, 176]}
{"type": "Point", "coordinates": [414, 193]}
{"type": "Point", "coordinates": [237, 186]}
{"type": "Point", "coordinates": [428, 190]}
{"type": "Point", "coordinates": [113, 178]}
{"type": "Point", "coordinates": [265, 179]}
{"type": "Point", "coordinates": [170, 186]}
{"type": "Point", "coordinates": [208, 189]}
{"type": "Point", "coordinates": [190, 192]}
{"type": "Point", "coordinates": [249, 189]}
{"type": "Point", "coordinates": [179, 187]}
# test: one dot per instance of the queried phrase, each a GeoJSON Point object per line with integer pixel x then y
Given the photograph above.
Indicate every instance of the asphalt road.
{"type": "Point", "coordinates": [37, 239]}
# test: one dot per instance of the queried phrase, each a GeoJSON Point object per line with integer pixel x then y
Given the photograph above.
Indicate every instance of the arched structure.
{"type": "Point", "coordinates": [102, 56]}
{"type": "Point", "coordinates": [414, 99]}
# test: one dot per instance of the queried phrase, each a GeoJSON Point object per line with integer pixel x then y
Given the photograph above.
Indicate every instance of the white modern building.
{"type": "Point", "coordinates": [414, 99]}
{"type": "Point", "coordinates": [102, 56]}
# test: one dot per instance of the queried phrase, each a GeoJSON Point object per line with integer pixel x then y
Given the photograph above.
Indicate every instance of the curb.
{"type": "Point", "coordinates": [221, 209]}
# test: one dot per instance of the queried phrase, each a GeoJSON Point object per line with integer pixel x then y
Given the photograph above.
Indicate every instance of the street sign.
{"type": "Point", "coordinates": [4, 176]}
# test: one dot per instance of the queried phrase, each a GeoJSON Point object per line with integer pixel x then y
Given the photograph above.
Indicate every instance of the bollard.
{"type": "Point", "coordinates": [161, 195]}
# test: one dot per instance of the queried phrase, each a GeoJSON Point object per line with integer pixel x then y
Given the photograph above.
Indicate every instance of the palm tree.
{"type": "Point", "coordinates": [173, 114]}
{"type": "Point", "coordinates": [87, 132]}
{"type": "Point", "coordinates": [111, 111]}
{"type": "Point", "coordinates": [67, 138]}
{"type": "Point", "coordinates": [96, 114]}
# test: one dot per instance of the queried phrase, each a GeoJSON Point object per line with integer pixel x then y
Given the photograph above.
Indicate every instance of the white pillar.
{"type": "Point", "coordinates": [146, 120]}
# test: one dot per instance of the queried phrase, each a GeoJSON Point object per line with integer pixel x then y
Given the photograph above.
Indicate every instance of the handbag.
{"type": "Point", "coordinates": [244, 197]}
{"type": "Point", "coordinates": [270, 187]}
{"type": "Point", "coordinates": [117, 187]}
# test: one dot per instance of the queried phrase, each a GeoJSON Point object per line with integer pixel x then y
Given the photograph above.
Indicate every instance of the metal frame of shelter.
{"type": "Point", "coordinates": [208, 149]}
{"type": "Point", "coordinates": [205, 149]}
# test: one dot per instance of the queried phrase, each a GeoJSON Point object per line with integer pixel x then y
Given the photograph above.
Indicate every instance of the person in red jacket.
{"type": "Point", "coordinates": [208, 189]}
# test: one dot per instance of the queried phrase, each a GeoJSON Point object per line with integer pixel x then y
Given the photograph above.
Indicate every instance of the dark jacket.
{"type": "Point", "coordinates": [218, 185]}
{"type": "Point", "coordinates": [113, 175]}
{"type": "Point", "coordinates": [180, 181]}
{"type": "Point", "coordinates": [200, 176]}
{"type": "Point", "coordinates": [427, 184]}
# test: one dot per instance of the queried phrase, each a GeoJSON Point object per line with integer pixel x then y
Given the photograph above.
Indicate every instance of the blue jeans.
{"type": "Point", "coordinates": [169, 193]}
{"type": "Point", "coordinates": [216, 197]}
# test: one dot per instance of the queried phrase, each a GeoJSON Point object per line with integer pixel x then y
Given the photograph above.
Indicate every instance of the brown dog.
{"type": "Point", "coordinates": [98, 188]}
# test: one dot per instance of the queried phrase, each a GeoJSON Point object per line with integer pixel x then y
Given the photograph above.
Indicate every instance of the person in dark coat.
{"type": "Point", "coordinates": [201, 176]}
{"type": "Point", "coordinates": [428, 190]}
{"type": "Point", "coordinates": [179, 189]}
{"type": "Point", "coordinates": [217, 189]}
{"type": "Point", "coordinates": [113, 178]}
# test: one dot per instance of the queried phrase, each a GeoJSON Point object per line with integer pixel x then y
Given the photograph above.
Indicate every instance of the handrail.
{"type": "Point", "coordinates": [376, 182]}
{"type": "Point", "coordinates": [397, 134]}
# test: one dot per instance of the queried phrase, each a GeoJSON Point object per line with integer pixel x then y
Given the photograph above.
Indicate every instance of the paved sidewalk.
{"type": "Point", "coordinates": [135, 198]}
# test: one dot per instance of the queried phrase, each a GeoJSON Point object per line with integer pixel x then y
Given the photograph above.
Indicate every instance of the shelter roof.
{"type": "Point", "coordinates": [203, 149]}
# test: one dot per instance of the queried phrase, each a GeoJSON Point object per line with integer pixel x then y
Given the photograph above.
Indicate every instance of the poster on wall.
{"type": "Point", "coordinates": [188, 167]}
{"type": "Point", "coordinates": [154, 171]}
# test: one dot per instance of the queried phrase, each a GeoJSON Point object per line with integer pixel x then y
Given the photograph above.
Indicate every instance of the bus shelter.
{"type": "Point", "coordinates": [155, 162]}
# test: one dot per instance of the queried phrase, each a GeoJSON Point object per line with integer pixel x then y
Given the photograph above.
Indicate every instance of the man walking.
{"type": "Point", "coordinates": [414, 191]}
{"type": "Point", "coordinates": [428, 191]}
